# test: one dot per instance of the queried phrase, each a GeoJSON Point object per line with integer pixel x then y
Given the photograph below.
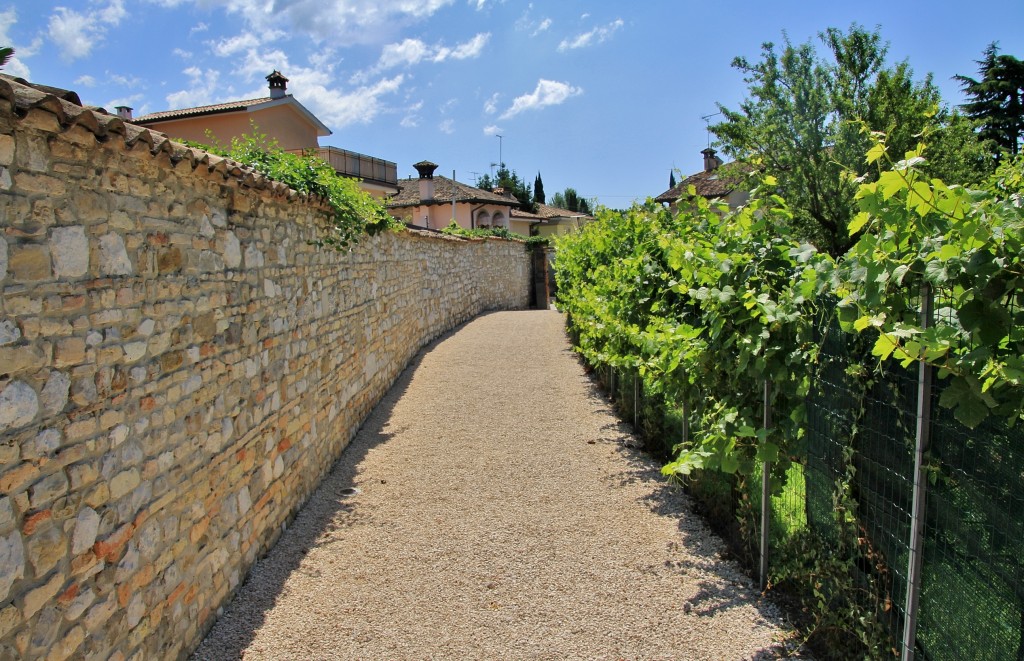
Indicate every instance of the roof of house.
{"type": "Point", "coordinates": [547, 212]}
{"type": "Point", "coordinates": [248, 105]}
{"type": "Point", "coordinates": [409, 194]}
{"type": "Point", "coordinates": [718, 182]}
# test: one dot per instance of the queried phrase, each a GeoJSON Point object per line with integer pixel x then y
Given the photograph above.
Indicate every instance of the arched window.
{"type": "Point", "coordinates": [483, 219]}
{"type": "Point", "coordinates": [499, 220]}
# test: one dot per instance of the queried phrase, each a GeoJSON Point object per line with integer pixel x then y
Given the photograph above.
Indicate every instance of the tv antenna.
{"type": "Point", "coordinates": [492, 170]}
{"type": "Point", "coordinates": [707, 124]}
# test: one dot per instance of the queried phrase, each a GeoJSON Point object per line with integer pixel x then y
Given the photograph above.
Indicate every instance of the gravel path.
{"type": "Point", "coordinates": [501, 513]}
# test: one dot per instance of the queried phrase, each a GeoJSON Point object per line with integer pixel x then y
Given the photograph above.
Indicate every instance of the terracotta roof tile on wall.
{"type": "Point", "coordinates": [18, 97]}
{"type": "Point", "coordinates": [409, 194]}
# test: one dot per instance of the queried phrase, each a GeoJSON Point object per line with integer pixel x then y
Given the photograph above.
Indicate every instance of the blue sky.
{"type": "Point", "coordinates": [602, 96]}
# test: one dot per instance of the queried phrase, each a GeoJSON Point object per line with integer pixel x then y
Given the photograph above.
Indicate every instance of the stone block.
{"type": "Point", "coordinates": [86, 528]}
{"type": "Point", "coordinates": [45, 549]}
{"type": "Point", "coordinates": [69, 351]}
{"type": "Point", "coordinates": [19, 405]}
{"type": "Point", "coordinates": [113, 256]}
{"type": "Point", "coordinates": [30, 263]}
{"type": "Point", "coordinates": [42, 595]}
{"type": "Point", "coordinates": [54, 396]}
{"type": "Point", "coordinates": [69, 247]}
{"type": "Point", "coordinates": [48, 489]}
{"type": "Point", "coordinates": [12, 561]}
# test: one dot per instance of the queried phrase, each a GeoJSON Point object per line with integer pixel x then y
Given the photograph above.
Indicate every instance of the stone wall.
{"type": "Point", "coordinates": [179, 367]}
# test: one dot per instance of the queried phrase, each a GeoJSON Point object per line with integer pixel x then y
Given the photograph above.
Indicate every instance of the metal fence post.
{"type": "Point", "coordinates": [766, 502]}
{"type": "Point", "coordinates": [636, 401]}
{"type": "Point", "coordinates": [917, 513]}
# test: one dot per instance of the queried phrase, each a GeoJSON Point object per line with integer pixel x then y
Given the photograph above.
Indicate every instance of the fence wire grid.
{"type": "Point", "coordinates": [860, 431]}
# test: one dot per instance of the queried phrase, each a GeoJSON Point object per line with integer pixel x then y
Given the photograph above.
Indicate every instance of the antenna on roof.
{"type": "Point", "coordinates": [492, 170]}
{"type": "Point", "coordinates": [707, 124]}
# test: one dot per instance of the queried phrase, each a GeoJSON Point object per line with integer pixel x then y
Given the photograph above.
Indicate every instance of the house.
{"type": "Point", "coordinates": [552, 221]}
{"type": "Point", "coordinates": [433, 201]}
{"type": "Point", "coordinates": [280, 117]}
{"type": "Point", "coordinates": [718, 181]}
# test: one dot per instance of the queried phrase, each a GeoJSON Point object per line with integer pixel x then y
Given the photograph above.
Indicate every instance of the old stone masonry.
{"type": "Point", "coordinates": [179, 367]}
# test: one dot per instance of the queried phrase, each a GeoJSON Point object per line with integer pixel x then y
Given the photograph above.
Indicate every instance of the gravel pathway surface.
{"type": "Point", "coordinates": [501, 512]}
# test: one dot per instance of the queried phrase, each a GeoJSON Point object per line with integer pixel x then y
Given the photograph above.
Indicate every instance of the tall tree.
{"type": "Point", "coordinates": [802, 121]}
{"type": "Point", "coordinates": [6, 53]}
{"type": "Point", "coordinates": [671, 179]}
{"type": "Point", "coordinates": [997, 99]}
{"type": "Point", "coordinates": [538, 190]}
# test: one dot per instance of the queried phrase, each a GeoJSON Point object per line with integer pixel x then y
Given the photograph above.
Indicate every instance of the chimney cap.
{"type": "Point", "coordinates": [124, 112]}
{"type": "Point", "coordinates": [278, 84]}
{"type": "Point", "coordinates": [426, 169]}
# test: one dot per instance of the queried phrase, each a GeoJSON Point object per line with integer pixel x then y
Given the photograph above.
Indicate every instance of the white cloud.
{"type": "Point", "coordinates": [447, 126]}
{"type": "Point", "coordinates": [183, 54]}
{"type": "Point", "coordinates": [448, 106]}
{"type": "Point", "coordinates": [85, 81]}
{"type": "Point", "coordinates": [360, 106]}
{"type": "Point", "coordinates": [527, 24]}
{"type": "Point", "coordinates": [201, 91]}
{"type": "Point", "coordinates": [492, 130]}
{"type": "Point", "coordinates": [491, 104]}
{"type": "Point", "coordinates": [199, 27]}
{"type": "Point", "coordinates": [352, 21]}
{"type": "Point", "coordinates": [596, 36]}
{"type": "Point", "coordinates": [471, 48]}
{"type": "Point", "coordinates": [413, 51]}
{"type": "Point", "coordinates": [76, 34]}
{"type": "Point", "coordinates": [234, 45]}
{"type": "Point", "coordinates": [412, 118]}
{"type": "Point", "coordinates": [547, 93]}
{"type": "Point", "coordinates": [541, 27]}
{"type": "Point", "coordinates": [15, 66]}
{"type": "Point", "coordinates": [410, 51]}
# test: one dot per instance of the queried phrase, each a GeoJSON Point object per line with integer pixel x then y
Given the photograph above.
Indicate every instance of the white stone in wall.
{"type": "Point", "coordinates": [5, 179]}
{"type": "Point", "coordinates": [231, 249]}
{"type": "Point", "coordinates": [9, 331]}
{"type": "Point", "coordinates": [69, 247]}
{"type": "Point", "coordinates": [244, 501]}
{"type": "Point", "coordinates": [18, 405]}
{"type": "Point", "coordinates": [3, 258]}
{"type": "Point", "coordinates": [113, 256]}
{"type": "Point", "coordinates": [12, 562]}
{"type": "Point", "coordinates": [146, 327]}
{"type": "Point", "coordinates": [87, 525]}
{"type": "Point", "coordinates": [54, 396]}
{"type": "Point", "coordinates": [206, 228]}
{"type": "Point", "coordinates": [253, 257]}
{"type": "Point", "coordinates": [134, 351]}
{"type": "Point", "coordinates": [118, 435]}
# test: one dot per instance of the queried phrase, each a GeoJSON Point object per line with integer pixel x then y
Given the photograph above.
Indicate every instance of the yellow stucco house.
{"type": "Point", "coordinates": [281, 117]}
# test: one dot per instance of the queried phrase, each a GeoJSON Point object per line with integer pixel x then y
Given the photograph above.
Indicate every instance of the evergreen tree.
{"type": "Point", "coordinates": [6, 53]}
{"type": "Point", "coordinates": [671, 179]}
{"type": "Point", "coordinates": [997, 99]}
{"type": "Point", "coordinates": [538, 190]}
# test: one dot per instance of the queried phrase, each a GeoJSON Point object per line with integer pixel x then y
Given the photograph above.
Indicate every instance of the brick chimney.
{"type": "Point", "coordinates": [124, 112]}
{"type": "Point", "coordinates": [711, 161]}
{"type": "Point", "coordinates": [426, 170]}
{"type": "Point", "coordinates": [278, 84]}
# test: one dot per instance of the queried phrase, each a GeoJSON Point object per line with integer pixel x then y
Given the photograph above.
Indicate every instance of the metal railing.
{"type": "Point", "coordinates": [353, 164]}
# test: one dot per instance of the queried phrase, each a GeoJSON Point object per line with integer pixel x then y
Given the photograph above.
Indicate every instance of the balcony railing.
{"type": "Point", "coordinates": [352, 164]}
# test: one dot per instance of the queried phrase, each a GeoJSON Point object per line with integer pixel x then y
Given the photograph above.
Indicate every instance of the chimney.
{"type": "Point", "coordinates": [710, 160]}
{"type": "Point", "coordinates": [426, 170]}
{"type": "Point", "coordinates": [124, 112]}
{"type": "Point", "coordinates": [278, 84]}
{"type": "Point", "coordinates": [498, 190]}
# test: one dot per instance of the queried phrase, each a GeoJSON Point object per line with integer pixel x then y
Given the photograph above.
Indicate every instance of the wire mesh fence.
{"type": "Point", "coordinates": [855, 478]}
